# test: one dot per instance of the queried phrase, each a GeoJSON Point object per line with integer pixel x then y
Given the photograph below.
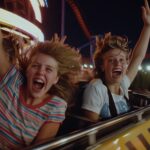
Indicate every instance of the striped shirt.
{"type": "Point", "coordinates": [19, 122]}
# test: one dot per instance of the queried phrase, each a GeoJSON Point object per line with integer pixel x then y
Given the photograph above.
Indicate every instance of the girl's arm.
{"type": "Point", "coordinates": [49, 130]}
{"type": "Point", "coordinates": [141, 45]}
{"type": "Point", "coordinates": [4, 58]}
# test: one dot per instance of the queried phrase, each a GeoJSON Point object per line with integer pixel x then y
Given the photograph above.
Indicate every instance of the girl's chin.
{"type": "Point", "coordinates": [116, 80]}
{"type": "Point", "coordinates": [37, 95]}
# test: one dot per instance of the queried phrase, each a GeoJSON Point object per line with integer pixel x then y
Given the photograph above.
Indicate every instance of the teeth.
{"type": "Point", "coordinates": [117, 70]}
{"type": "Point", "coordinates": [38, 84]}
{"type": "Point", "coordinates": [39, 81]}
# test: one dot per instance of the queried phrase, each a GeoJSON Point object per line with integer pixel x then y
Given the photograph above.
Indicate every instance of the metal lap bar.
{"type": "Point", "coordinates": [91, 131]}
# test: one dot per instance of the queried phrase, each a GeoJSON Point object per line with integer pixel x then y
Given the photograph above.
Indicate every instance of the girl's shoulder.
{"type": "Point", "coordinates": [96, 83]}
{"type": "Point", "coordinates": [96, 86]}
{"type": "Point", "coordinates": [58, 100]}
{"type": "Point", "coordinates": [12, 77]}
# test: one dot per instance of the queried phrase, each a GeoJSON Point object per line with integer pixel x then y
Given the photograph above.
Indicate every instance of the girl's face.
{"type": "Point", "coordinates": [41, 74]}
{"type": "Point", "coordinates": [114, 65]}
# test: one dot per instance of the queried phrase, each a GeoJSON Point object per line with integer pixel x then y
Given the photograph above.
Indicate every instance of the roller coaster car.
{"type": "Point", "coordinates": [130, 131]}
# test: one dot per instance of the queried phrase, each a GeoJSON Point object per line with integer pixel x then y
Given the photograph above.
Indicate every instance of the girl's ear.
{"type": "Point", "coordinates": [102, 67]}
{"type": "Point", "coordinates": [56, 80]}
{"type": "Point", "coordinates": [128, 60]}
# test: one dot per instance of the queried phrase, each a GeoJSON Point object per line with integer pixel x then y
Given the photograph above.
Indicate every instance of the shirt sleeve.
{"type": "Point", "coordinates": [58, 109]}
{"type": "Point", "coordinates": [126, 81]}
{"type": "Point", "coordinates": [92, 99]}
{"type": "Point", "coordinates": [125, 84]}
{"type": "Point", "coordinates": [13, 78]}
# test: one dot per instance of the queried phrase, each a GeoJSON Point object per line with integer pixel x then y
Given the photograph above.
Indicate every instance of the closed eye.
{"type": "Point", "coordinates": [34, 65]}
{"type": "Point", "coordinates": [49, 70]}
{"type": "Point", "coordinates": [122, 60]}
{"type": "Point", "coordinates": [110, 60]}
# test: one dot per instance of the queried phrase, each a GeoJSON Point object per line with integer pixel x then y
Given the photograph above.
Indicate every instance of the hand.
{"type": "Point", "coordinates": [23, 61]}
{"type": "Point", "coordinates": [146, 13]}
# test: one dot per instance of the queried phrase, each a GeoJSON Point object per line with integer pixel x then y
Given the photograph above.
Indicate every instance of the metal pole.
{"type": "Point", "coordinates": [62, 18]}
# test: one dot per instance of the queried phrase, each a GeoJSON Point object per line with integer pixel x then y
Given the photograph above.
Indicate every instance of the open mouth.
{"type": "Point", "coordinates": [38, 84]}
{"type": "Point", "coordinates": [117, 72]}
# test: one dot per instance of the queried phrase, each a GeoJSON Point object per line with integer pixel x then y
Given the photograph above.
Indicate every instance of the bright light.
{"type": "Point", "coordinates": [140, 68]}
{"type": "Point", "coordinates": [148, 68]}
{"type": "Point", "coordinates": [46, 3]}
{"type": "Point", "coordinates": [42, 3]}
{"type": "Point", "coordinates": [88, 66]}
{"type": "Point", "coordinates": [85, 65]}
{"type": "Point", "coordinates": [13, 20]}
{"type": "Point", "coordinates": [14, 32]}
{"type": "Point", "coordinates": [91, 66]}
{"type": "Point", "coordinates": [36, 8]}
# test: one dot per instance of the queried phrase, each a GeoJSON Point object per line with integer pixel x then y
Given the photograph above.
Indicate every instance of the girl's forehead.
{"type": "Point", "coordinates": [115, 52]}
{"type": "Point", "coordinates": [44, 59]}
{"type": "Point", "coordinates": [41, 56]}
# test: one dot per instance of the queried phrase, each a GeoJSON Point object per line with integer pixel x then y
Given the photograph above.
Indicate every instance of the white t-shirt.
{"type": "Point", "coordinates": [96, 99]}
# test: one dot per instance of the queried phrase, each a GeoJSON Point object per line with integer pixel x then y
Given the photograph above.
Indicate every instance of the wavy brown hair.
{"type": "Point", "coordinates": [103, 45]}
{"type": "Point", "coordinates": [68, 60]}
{"type": "Point", "coordinates": [13, 45]}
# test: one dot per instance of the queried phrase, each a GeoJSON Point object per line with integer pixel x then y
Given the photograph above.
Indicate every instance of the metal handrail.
{"type": "Point", "coordinates": [93, 128]}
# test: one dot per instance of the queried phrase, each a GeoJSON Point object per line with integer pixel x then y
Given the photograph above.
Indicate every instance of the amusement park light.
{"type": "Point", "coordinates": [140, 68]}
{"type": "Point", "coordinates": [42, 3]}
{"type": "Point", "coordinates": [36, 8]}
{"type": "Point", "coordinates": [85, 65]}
{"type": "Point", "coordinates": [12, 20]}
{"type": "Point", "coordinates": [148, 68]}
{"type": "Point", "coordinates": [14, 32]}
{"type": "Point", "coordinates": [91, 66]}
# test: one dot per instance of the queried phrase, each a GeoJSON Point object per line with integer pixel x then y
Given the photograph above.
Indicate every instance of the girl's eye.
{"type": "Point", "coordinates": [48, 69]}
{"type": "Point", "coordinates": [34, 66]}
{"type": "Point", "coordinates": [111, 60]}
{"type": "Point", "coordinates": [122, 60]}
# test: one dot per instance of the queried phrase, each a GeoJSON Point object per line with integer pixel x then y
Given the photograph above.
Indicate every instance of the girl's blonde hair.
{"type": "Point", "coordinates": [67, 57]}
{"type": "Point", "coordinates": [106, 44]}
{"type": "Point", "coordinates": [68, 61]}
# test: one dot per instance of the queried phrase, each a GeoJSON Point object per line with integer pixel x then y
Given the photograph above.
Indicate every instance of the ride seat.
{"type": "Point", "coordinates": [74, 119]}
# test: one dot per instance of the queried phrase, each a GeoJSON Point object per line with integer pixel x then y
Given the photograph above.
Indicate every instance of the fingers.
{"type": "Point", "coordinates": [146, 7]}
{"type": "Point", "coordinates": [144, 11]}
{"type": "Point", "coordinates": [146, 4]}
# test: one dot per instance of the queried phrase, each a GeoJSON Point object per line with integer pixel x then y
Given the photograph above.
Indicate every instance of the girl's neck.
{"type": "Point", "coordinates": [115, 88]}
{"type": "Point", "coordinates": [29, 100]}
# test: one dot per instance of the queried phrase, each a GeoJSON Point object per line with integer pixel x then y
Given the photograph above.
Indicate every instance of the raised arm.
{"type": "Point", "coordinates": [4, 59]}
{"type": "Point", "coordinates": [141, 45]}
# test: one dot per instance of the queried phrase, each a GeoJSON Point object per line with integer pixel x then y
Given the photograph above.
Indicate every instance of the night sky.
{"type": "Point", "coordinates": [121, 17]}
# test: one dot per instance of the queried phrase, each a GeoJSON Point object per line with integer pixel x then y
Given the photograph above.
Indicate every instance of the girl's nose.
{"type": "Point", "coordinates": [41, 70]}
{"type": "Point", "coordinates": [117, 62]}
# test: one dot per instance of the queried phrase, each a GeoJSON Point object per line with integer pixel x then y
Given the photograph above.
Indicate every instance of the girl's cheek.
{"type": "Point", "coordinates": [126, 66]}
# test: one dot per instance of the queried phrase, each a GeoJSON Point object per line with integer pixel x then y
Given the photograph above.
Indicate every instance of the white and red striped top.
{"type": "Point", "coordinates": [19, 122]}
